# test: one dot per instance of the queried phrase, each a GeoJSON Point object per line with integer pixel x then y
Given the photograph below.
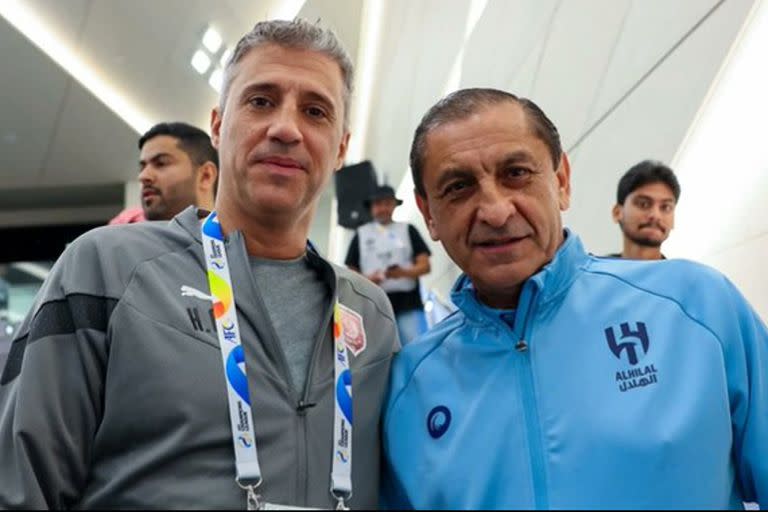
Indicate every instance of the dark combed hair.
{"type": "Point", "coordinates": [462, 104]}
{"type": "Point", "coordinates": [192, 140]}
{"type": "Point", "coordinates": [646, 173]}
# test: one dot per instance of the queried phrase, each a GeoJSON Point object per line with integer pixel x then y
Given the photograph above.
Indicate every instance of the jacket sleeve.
{"type": "Point", "coordinates": [51, 392]}
{"type": "Point", "coordinates": [746, 355]}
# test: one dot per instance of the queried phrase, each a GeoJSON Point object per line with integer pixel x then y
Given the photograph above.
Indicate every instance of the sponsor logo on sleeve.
{"type": "Point", "coordinates": [352, 330]}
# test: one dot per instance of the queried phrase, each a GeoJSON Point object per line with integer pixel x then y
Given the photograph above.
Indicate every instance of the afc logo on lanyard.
{"type": "Point", "coordinates": [352, 330]}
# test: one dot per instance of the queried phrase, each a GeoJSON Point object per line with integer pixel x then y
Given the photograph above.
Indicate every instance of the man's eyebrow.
{"type": "Point", "coordinates": [153, 157]}
{"type": "Point", "coordinates": [321, 98]}
{"type": "Point", "coordinates": [272, 88]}
{"type": "Point", "coordinates": [652, 199]}
{"type": "Point", "coordinates": [517, 157]}
{"type": "Point", "coordinates": [265, 87]}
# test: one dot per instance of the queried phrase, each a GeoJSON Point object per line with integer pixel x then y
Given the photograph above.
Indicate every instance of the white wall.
{"type": "Point", "coordinates": [722, 218]}
{"type": "Point", "coordinates": [578, 60]}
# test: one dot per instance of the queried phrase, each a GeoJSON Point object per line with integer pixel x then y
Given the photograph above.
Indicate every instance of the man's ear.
{"type": "Point", "coordinates": [206, 176]}
{"type": "Point", "coordinates": [563, 174]}
{"type": "Point", "coordinates": [616, 213]}
{"type": "Point", "coordinates": [423, 203]}
{"type": "Point", "coordinates": [343, 146]}
{"type": "Point", "coordinates": [216, 118]}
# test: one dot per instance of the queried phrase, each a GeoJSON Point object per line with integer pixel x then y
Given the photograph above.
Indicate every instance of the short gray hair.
{"type": "Point", "coordinates": [298, 34]}
{"type": "Point", "coordinates": [460, 105]}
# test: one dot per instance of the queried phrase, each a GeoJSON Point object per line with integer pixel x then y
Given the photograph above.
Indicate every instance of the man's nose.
{"type": "Point", "coordinates": [284, 126]}
{"type": "Point", "coordinates": [655, 212]}
{"type": "Point", "coordinates": [146, 176]}
{"type": "Point", "coordinates": [495, 208]}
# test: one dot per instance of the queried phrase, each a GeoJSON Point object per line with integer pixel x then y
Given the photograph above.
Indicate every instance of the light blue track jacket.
{"type": "Point", "coordinates": [643, 385]}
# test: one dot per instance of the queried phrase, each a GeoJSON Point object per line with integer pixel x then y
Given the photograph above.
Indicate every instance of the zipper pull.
{"type": "Point", "coordinates": [521, 346]}
{"type": "Point", "coordinates": [303, 406]}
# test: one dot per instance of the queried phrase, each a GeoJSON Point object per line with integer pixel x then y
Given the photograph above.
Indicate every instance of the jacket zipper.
{"type": "Point", "coordinates": [304, 403]}
{"type": "Point", "coordinates": [530, 408]}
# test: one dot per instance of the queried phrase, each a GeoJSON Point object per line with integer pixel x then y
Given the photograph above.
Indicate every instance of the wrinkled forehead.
{"type": "Point", "coordinates": [311, 70]}
{"type": "Point", "coordinates": [489, 136]}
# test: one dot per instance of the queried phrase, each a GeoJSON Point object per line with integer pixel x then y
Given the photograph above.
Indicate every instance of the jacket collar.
{"type": "Point", "coordinates": [190, 218]}
{"type": "Point", "coordinates": [548, 283]}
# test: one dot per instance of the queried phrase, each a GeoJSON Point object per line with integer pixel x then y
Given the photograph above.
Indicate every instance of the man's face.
{"type": "Point", "coordinates": [382, 209]}
{"type": "Point", "coordinates": [493, 198]}
{"type": "Point", "coordinates": [647, 215]}
{"type": "Point", "coordinates": [281, 135]}
{"type": "Point", "coordinates": [168, 178]}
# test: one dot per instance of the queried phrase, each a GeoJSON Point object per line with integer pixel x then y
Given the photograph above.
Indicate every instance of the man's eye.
{"type": "Point", "coordinates": [316, 112]}
{"type": "Point", "coordinates": [260, 101]}
{"type": "Point", "coordinates": [517, 172]}
{"type": "Point", "coordinates": [454, 188]}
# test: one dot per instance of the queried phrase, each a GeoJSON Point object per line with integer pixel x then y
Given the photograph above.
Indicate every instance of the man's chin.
{"type": "Point", "coordinates": [153, 214]}
{"type": "Point", "coordinates": [647, 242]}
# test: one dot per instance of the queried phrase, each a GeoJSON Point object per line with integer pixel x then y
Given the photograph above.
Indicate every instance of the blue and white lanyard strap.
{"type": "Point", "coordinates": [341, 472]}
{"type": "Point", "coordinates": [247, 466]}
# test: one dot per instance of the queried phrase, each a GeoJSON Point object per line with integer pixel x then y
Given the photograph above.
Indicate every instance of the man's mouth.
{"type": "Point", "coordinates": [287, 163]}
{"type": "Point", "coordinates": [498, 243]}
{"type": "Point", "coordinates": [149, 193]}
{"type": "Point", "coordinates": [653, 226]}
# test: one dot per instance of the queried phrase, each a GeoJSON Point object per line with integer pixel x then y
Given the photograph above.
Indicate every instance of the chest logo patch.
{"type": "Point", "coordinates": [353, 330]}
{"type": "Point", "coordinates": [438, 421]}
{"type": "Point", "coordinates": [636, 345]}
{"type": "Point", "coordinates": [632, 346]}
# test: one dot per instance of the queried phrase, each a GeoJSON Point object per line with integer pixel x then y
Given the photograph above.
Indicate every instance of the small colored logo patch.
{"type": "Point", "coordinates": [351, 330]}
{"type": "Point", "coordinates": [438, 421]}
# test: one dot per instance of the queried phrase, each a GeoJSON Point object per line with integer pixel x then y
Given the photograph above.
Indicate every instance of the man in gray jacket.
{"type": "Point", "coordinates": [214, 361]}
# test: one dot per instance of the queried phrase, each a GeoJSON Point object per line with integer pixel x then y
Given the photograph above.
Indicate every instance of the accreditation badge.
{"type": "Point", "coordinates": [353, 330]}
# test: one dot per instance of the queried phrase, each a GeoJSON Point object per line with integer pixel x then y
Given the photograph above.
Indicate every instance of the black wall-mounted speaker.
{"type": "Point", "coordinates": [354, 184]}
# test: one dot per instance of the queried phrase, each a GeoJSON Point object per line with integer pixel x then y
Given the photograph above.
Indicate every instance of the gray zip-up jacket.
{"type": "Point", "coordinates": [114, 396]}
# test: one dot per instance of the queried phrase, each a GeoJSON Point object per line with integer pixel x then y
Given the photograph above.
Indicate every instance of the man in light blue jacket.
{"type": "Point", "coordinates": [564, 380]}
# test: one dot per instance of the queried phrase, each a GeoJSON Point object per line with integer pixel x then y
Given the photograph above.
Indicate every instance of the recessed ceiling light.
{"type": "Point", "coordinates": [215, 79]}
{"type": "Point", "coordinates": [212, 40]}
{"type": "Point", "coordinates": [201, 62]}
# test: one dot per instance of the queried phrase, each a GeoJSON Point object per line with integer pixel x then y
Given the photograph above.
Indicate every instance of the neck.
{"type": "Point", "coordinates": [206, 204]}
{"type": "Point", "coordinates": [634, 251]}
{"type": "Point", "coordinates": [268, 237]}
{"type": "Point", "coordinates": [500, 301]}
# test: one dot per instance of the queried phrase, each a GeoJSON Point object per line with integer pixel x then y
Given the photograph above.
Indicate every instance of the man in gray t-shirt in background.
{"type": "Point", "coordinates": [121, 384]}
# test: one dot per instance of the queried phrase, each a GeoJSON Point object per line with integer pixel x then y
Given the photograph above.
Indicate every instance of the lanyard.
{"type": "Point", "coordinates": [248, 471]}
